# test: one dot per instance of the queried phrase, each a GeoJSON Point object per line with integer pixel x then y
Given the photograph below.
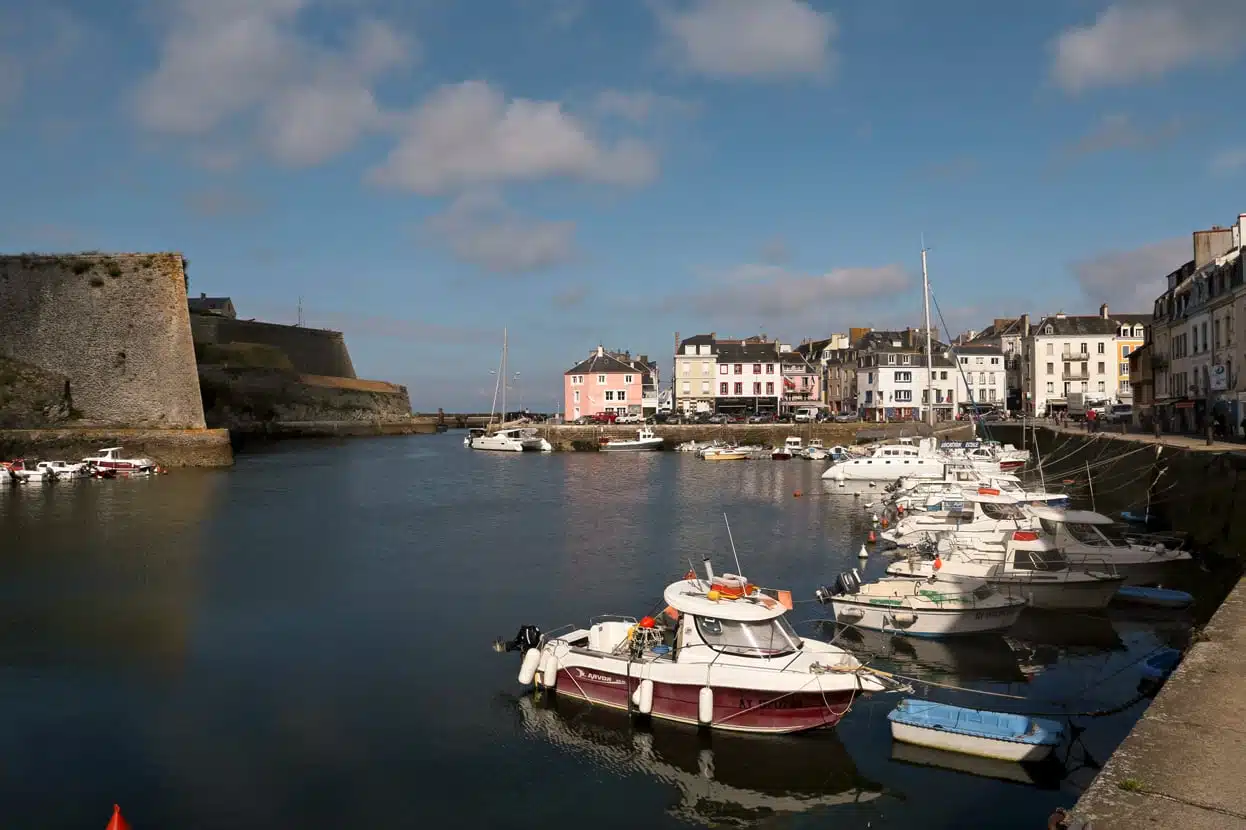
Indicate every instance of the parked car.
{"type": "Point", "coordinates": [846, 418]}
{"type": "Point", "coordinates": [605, 418]}
{"type": "Point", "coordinates": [763, 418]}
{"type": "Point", "coordinates": [585, 420]}
{"type": "Point", "coordinates": [629, 418]}
{"type": "Point", "coordinates": [1121, 413]}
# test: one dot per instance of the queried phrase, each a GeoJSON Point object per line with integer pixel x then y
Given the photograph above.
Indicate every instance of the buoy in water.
{"type": "Point", "coordinates": [863, 553]}
{"type": "Point", "coordinates": [796, 494]}
{"type": "Point", "coordinates": [874, 518]}
{"type": "Point", "coordinates": [884, 522]}
{"type": "Point", "coordinates": [872, 538]}
{"type": "Point", "coordinates": [118, 822]}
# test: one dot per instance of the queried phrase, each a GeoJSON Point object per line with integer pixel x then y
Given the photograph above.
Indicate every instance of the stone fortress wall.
{"type": "Point", "coordinates": [310, 351]}
{"type": "Point", "coordinates": [114, 326]}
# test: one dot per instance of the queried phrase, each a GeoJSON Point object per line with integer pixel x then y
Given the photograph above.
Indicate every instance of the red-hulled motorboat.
{"type": "Point", "coordinates": [721, 655]}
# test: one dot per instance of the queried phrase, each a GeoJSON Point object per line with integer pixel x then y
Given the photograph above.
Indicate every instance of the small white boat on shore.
{"type": "Point", "coordinates": [725, 454]}
{"type": "Point", "coordinates": [644, 441]}
{"type": "Point", "coordinates": [814, 451]}
{"type": "Point", "coordinates": [62, 469]}
{"type": "Point", "coordinates": [791, 447]}
{"type": "Point", "coordinates": [941, 606]}
{"type": "Point", "coordinates": [999, 735]}
{"type": "Point", "coordinates": [21, 474]}
{"type": "Point", "coordinates": [110, 458]}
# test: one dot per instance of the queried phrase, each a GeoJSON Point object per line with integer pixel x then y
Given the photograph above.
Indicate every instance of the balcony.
{"type": "Point", "coordinates": [1078, 356]}
{"type": "Point", "coordinates": [1077, 374]}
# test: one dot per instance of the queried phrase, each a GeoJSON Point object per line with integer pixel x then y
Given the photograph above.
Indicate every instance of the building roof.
{"type": "Point", "coordinates": [1000, 327]}
{"type": "Point", "coordinates": [602, 362]}
{"type": "Point", "coordinates": [697, 340]}
{"type": "Point", "coordinates": [1090, 325]}
{"type": "Point", "coordinates": [972, 348]}
{"type": "Point", "coordinates": [203, 304]}
{"type": "Point", "coordinates": [747, 352]}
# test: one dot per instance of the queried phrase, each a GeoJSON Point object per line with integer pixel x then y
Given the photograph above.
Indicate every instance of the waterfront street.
{"type": "Point", "coordinates": [304, 641]}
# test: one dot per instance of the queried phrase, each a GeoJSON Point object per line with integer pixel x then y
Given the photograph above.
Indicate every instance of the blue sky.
{"type": "Point", "coordinates": [426, 173]}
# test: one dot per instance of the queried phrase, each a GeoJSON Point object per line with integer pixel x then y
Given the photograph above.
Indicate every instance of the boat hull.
{"type": "Point", "coordinates": [1068, 595]}
{"type": "Point", "coordinates": [633, 446]}
{"type": "Point", "coordinates": [1000, 750]}
{"type": "Point", "coordinates": [726, 456]}
{"type": "Point", "coordinates": [736, 710]}
{"type": "Point", "coordinates": [934, 622]}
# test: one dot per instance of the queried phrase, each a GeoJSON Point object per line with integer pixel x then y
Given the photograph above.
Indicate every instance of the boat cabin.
{"type": "Point", "coordinates": [792, 444]}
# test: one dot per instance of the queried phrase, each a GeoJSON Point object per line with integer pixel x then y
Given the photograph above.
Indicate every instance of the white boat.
{"type": "Point", "coordinates": [110, 459]}
{"type": "Point", "coordinates": [644, 440]}
{"type": "Point", "coordinates": [725, 454]}
{"type": "Point", "coordinates": [722, 655]}
{"type": "Point", "coordinates": [999, 735]}
{"type": "Point", "coordinates": [1080, 536]}
{"type": "Point", "coordinates": [914, 493]}
{"type": "Point", "coordinates": [500, 439]}
{"type": "Point", "coordinates": [21, 474]}
{"type": "Point", "coordinates": [972, 513]}
{"type": "Point", "coordinates": [694, 446]}
{"type": "Point", "coordinates": [814, 451]}
{"type": "Point", "coordinates": [791, 447]}
{"type": "Point", "coordinates": [887, 463]}
{"type": "Point", "coordinates": [1030, 567]}
{"type": "Point", "coordinates": [939, 607]}
{"type": "Point", "coordinates": [62, 469]}
{"type": "Point", "coordinates": [987, 457]}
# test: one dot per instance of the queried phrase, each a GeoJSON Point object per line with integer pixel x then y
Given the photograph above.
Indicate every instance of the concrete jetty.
{"type": "Point", "coordinates": [1182, 765]}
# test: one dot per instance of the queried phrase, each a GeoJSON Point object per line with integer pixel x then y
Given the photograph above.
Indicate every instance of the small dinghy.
{"type": "Point", "coordinates": [1154, 597]}
{"type": "Point", "coordinates": [978, 732]}
{"type": "Point", "coordinates": [1158, 666]}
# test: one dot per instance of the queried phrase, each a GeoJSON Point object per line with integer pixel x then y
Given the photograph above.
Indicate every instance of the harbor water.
{"type": "Point", "coordinates": [304, 641]}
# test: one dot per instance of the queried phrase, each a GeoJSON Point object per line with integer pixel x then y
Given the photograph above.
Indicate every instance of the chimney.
{"type": "Point", "coordinates": [1103, 311]}
{"type": "Point", "coordinates": [600, 351]}
{"type": "Point", "coordinates": [202, 296]}
{"type": "Point", "coordinates": [1025, 324]}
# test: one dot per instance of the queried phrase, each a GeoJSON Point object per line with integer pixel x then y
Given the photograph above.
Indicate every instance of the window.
{"type": "Point", "coordinates": [1102, 386]}
{"type": "Point", "coordinates": [992, 378]}
{"type": "Point", "coordinates": [969, 378]}
{"type": "Point", "coordinates": [619, 395]}
{"type": "Point", "coordinates": [1100, 349]}
{"type": "Point", "coordinates": [629, 379]}
{"type": "Point", "coordinates": [757, 368]}
{"type": "Point", "coordinates": [576, 380]}
{"type": "Point", "coordinates": [756, 388]}
{"type": "Point", "coordinates": [1050, 346]}
{"type": "Point", "coordinates": [1125, 369]}
{"type": "Point", "coordinates": [964, 361]}
{"type": "Point", "coordinates": [722, 369]}
{"type": "Point", "coordinates": [722, 388]}
{"type": "Point", "coordinates": [575, 396]}
{"type": "Point", "coordinates": [1084, 386]}
{"type": "Point", "coordinates": [1051, 368]}
{"type": "Point", "coordinates": [943, 376]}
{"type": "Point", "coordinates": [687, 367]}
{"type": "Point", "coordinates": [610, 394]}
{"type": "Point", "coordinates": [906, 360]}
{"type": "Point", "coordinates": [1068, 369]}
{"type": "Point", "coordinates": [979, 361]}
{"type": "Point", "coordinates": [904, 395]}
{"type": "Point", "coordinates": [982, 378]}
{"type": "Point", "coordinates": [739, 368]}
{"type": "Point", "coordinates": [1215, 334]}
{"type": "Point", "coordinates": [1124, 351]}
{"type": "Point", "coordinates": [687, 388]}
{"type": "Point", "coordinates": [904, 377]}
{"type": "Point", "coordinates": [1101, 369]}
{"type": "Point", "coordinates": [981, 396]}
{"type": "Point", "coordinates": [705, 368]}
{"type": "Point", "coordinates": [739, 388]}
{"type": "Point", "coordinates": [770, 368]}
{"type": "Point", "coordinates": [1084, 350]}
{"type": "Point", "coordinates": [1051, 387]}
{"type": "Point", "coordinates": [601, 379]}
{"type": "Point", "coordinates": [891, 360]}
{"type": "Point", "coordinates": [992, 397]}
{"type": "Point", "coordinates": [768, 638]}
{"type": "Point", "coordinates": [995, 361]}
{"type": "Point", "coordinates": [770, 387]}
{"type": "Point", "coordinates": [869, 377]}
{"type": "Point", "coordinates": [1085, 369]}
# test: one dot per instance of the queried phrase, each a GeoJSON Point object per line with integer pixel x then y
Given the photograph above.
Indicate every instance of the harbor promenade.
{"type": "Point", "coordinates": [1182, 765]}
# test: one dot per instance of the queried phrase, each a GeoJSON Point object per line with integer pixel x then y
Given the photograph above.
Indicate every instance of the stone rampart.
{"type": "Point", "coordinates": [310, 351]}
{"type": "Point", "coordinates": [115, 326]}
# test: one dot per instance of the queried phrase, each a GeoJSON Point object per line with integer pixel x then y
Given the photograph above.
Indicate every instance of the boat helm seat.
{"type": "Point", "coordinates": [608, 637]}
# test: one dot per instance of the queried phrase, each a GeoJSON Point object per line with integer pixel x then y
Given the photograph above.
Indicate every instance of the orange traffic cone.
{"type": "Point", "coordinates": [118, 821]}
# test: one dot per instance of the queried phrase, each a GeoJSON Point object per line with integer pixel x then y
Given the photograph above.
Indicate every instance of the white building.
{"type": "Point", "coordinates": [983, 375]}
{"type": "Point", "coordinates": [893, 382]}
{"type": "Point", "coordinates": [696, 371]}
{"type": "Point", "coordinates": [755, 375]}
{"type": "Point", "coordinates": [1077, 354]}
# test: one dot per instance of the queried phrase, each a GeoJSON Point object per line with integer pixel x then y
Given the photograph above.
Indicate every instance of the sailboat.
{"type": "Point", "coordinates": [516, 439]}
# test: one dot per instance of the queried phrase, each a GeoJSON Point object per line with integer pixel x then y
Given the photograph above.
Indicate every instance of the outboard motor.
{"type": "Point", "coordinates": [848, 582]}
{"type": "Point", "coordinates": [529, 637]}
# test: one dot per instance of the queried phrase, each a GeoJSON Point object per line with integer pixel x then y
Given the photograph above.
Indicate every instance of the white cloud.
{"type": "Point", "coordinates": [775, 291]}
{"type": "Point", "coordinates": [1135, 40]}
{"type": "Point", "coordinates": [234, 59]}
{"type": "Point", "coordinates": [766, 39]}
{"type": "Point", "coordinates": [468, 134]}
{"type": "Point", "coordinates": [480, 229]}
{"type": "Point", "coordinates": [1129, 281]}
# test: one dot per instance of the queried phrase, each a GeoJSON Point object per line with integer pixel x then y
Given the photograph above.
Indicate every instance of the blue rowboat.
{"type": "Point", "coordinates": [986, 734]}
{"type": "Point", "coordinates": [1158, 666]}
{"type": "Point", "coordinates": [1156, 597]}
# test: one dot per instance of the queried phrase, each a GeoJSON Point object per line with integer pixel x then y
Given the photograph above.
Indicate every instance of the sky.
{"type": "Point", "coordinates": [422, 174]}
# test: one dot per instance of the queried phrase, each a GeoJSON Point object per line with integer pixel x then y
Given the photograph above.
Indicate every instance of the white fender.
{"type": "Point", "coordinates": [644, 697]}
{"type": "Point", "coordinates": [527, 669]}
{"type": "Point", "coordinates": [904, 617]}
{"type": "Point", "coordinates": [549, 669]}
{"type": "Point", "coordinates": [705, 705]}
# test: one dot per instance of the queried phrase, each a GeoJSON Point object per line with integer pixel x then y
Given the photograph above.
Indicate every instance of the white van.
{"type": "Point", "coordinates": [806, 415]}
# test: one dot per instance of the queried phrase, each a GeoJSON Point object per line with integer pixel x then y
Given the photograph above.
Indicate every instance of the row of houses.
{"type": "Point", "coordinates": [1187, 374]}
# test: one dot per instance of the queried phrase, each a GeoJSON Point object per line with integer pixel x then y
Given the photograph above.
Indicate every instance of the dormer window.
{"type": "Point", "coordinates": [1049, 330]}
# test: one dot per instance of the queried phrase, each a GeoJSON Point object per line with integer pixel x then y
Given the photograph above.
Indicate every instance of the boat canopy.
{"type": "Point", "coordinates": [689, 596]}
{"type": "Point", "coordinates": [1080, 517]}
{"type": "Point", "coordinates": [984, 498]}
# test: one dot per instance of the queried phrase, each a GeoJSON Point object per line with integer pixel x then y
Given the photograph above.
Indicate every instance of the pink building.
{"type": "Point", "coordinates": [610, 382]}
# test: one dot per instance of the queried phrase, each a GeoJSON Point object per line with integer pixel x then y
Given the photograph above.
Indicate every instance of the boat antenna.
{"type": "Point", "coordinates": [739, 571]}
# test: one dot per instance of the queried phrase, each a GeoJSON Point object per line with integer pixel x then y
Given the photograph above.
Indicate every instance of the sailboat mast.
{"type": "Point", "coordinates": [493, 407]}
{"type": "Point", "coordinates": [930, 396]}
{"type": "Point", "coordinates": [504, 378]}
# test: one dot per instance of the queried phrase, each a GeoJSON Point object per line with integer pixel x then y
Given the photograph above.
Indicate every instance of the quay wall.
{"type": "Point", "coordinates": [115, 326]}
{"type": "Point", "coordinates": [310, 351]}
{"type": "Point", "coordinates": [1194, 490]}
{"type": "Point", "coordinates": [588, 438]}
{"type": "Point", "coordinates": [167, 447]}
{"type": "Point", "coordinates": [253, 400]}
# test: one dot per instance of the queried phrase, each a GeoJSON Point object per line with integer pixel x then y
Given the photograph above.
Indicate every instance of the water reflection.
{"type": "Point", "coordinates": [983, 658]}
{"type": "Point", "coordinates": [1046, 774]}
{"type": "Point", "coordinates": [720, 778]}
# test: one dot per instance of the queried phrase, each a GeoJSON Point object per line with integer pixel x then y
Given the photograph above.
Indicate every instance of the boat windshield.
{"type": "Point", "coordinates": [993, 510]}
{"type": "Point", "coordinates": [764, 638]}
{"type": "Point", "coordinates": [1038, 560]}
{"type": "Point", "coordinates": [1083, 533]}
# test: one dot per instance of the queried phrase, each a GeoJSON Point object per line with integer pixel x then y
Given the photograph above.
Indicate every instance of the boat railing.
{"type": "Point", "coordinates": [603, 618]}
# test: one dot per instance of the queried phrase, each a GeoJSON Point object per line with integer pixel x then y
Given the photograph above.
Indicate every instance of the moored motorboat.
{"type": "Point", "coordinates": [62, 469]}
{"type": "Point", "coordinates": [722, 655]}
{"type": "Point", "coordinates": [999, 735]}
{"type": "Point", "coordinates": [725, 454]}
{"type": "Point", "coordinates": [941, 606]}
{"type": "Point", "coordinates": [1154, 597]}
{"type": "Point", "coordinates": [645, 440]}
{"type": "Point", "coordinates": [21, 474]}
{"type": "Point", "coordinates": [110, 458]}
{"type": "Point", "coordinates": [791, 446]}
